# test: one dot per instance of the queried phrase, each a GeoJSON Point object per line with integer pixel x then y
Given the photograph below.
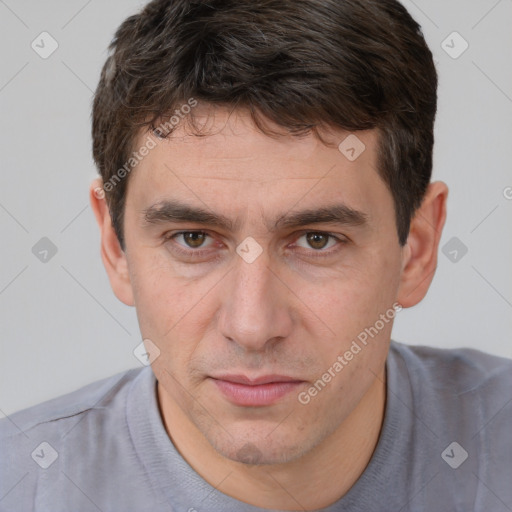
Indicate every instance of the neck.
{"type": "Point", "coordinates": [303, 484]}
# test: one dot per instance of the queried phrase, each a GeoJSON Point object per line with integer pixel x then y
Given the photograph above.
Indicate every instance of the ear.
{"type": "Point", "coordinates": [419, 255]}
{"type": "Point", "coordinates": [114, 258]}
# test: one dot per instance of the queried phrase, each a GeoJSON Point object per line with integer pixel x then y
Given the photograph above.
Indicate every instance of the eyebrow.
{"type": "Point", "coordinates": [174, 211]}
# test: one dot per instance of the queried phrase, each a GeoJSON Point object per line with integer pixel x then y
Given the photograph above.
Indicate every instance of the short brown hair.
{"type": "Point", "coordinates": [304, 64]}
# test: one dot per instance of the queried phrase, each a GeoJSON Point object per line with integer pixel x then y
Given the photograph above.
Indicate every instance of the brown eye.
{"type": "Point", "coordinates": [191, 245]}
{"type": "Point", "coordinates": [194, 239]}
{"type": "Point", "coordinates": [317, 240]}
{"type": "Point", "coordinates": [319, 243]}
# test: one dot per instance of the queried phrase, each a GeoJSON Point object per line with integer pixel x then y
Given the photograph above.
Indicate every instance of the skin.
{"type": "Point", "coordinates": [285, 313]}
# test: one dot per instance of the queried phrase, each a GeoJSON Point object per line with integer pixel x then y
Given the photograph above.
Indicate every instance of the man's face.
{"type": "Point", "coordinates": [218, 315]}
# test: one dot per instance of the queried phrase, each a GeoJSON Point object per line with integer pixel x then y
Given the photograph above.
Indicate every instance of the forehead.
{"type": "Point", "coordinates": [235, 165]}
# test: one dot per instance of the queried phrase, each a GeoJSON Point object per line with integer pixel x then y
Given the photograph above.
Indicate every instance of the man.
{"type": "Point", "coordinates": [265, 204]}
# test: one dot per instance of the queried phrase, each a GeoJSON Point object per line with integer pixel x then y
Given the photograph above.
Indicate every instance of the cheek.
{"type": "Point", "coordinates": [333, 396]}
{"type": "Point", "coordinates": [350, 309]}
{"type": "Point", "coordinates": [162, 297]}
{"type": "Point", "coordinates": [174, 312]}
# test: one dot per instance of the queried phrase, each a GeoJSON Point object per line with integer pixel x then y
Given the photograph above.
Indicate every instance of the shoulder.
{"type": "Point", "coordinates": [463, 389]}
{"type": "Point", "coordinates": [77, 450]}
{"type": "Point", "coordinates": [460, 405]}
{"type": "Point", "coordinates": [102, 395]}
{"type": "Point", "coordinates": [461, 369]}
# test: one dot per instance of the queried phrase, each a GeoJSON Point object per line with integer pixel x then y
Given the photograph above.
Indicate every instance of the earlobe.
{"type": "Point", "coordinates": [419, 258]}
{"type": "Point", "coordinates": [113, 257]}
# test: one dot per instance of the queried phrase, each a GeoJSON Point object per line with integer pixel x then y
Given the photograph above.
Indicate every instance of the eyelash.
{"type": "Point", "coordinates": [201, 252]}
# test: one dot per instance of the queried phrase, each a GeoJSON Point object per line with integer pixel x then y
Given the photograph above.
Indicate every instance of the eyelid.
{"type": "Point", "coordinates": [321, 252]}
{"type": "Point", "coordinates": [314, 253]}
{"type": "Point", "coordinates": [178, 233]}
{"type": "Point", "coordinates": [297, 234]}
{"type": "Point", "coordinates": [320, 232]}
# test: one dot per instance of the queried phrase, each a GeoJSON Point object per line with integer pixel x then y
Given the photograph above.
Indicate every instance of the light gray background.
{"type": "Point", "coordinates": [62, 327]}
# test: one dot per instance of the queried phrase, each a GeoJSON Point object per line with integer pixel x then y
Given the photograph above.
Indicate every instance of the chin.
{"type": "Point", "coordinates": [258, 451]}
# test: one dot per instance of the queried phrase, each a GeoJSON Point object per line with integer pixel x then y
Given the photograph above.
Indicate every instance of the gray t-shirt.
{"type": "Point", "coordinates": [445, 445]}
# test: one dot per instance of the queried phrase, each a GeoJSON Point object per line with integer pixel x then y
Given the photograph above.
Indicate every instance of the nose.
{"type": "Point", "coordinates": [256, 311]}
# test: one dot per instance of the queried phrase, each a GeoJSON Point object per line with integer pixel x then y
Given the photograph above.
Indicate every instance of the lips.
{"type": "Point", "coordinates": [256, 391]}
